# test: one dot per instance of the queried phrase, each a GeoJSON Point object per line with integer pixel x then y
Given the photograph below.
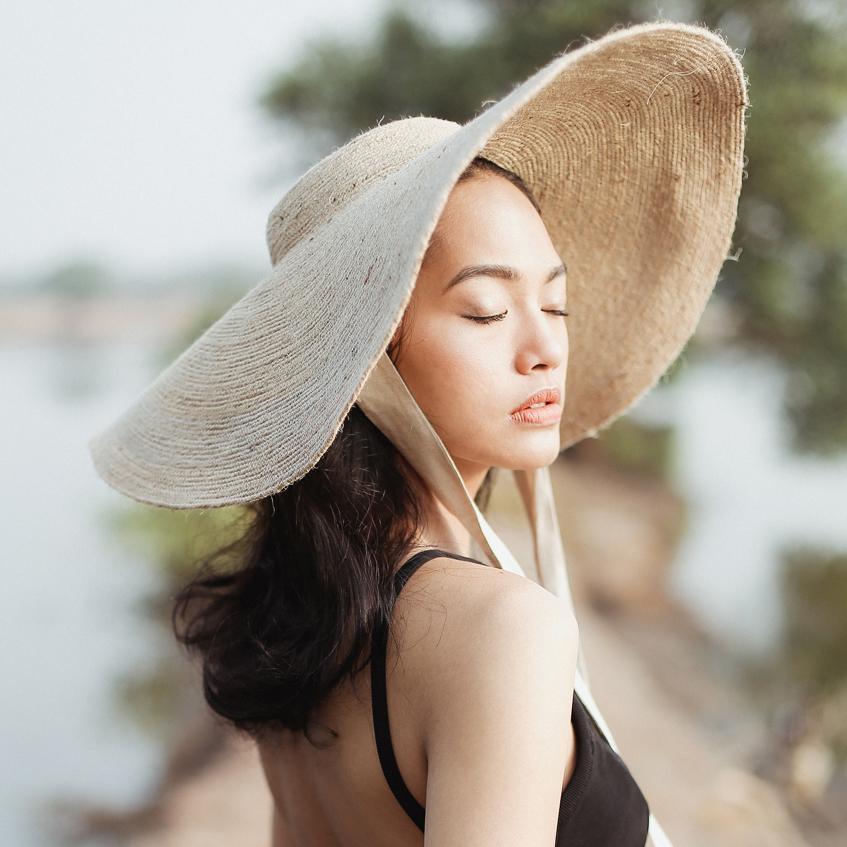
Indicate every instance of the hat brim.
{"type": "Point", "coordinates": [633, 146]}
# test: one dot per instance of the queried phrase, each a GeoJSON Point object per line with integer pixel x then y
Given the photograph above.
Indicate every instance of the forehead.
{"type": "Point", "coordinates": [488, 219]}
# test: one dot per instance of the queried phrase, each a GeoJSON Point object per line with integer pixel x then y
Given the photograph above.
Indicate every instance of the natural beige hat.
{"type": "Point", "coordinates": [633, 146]}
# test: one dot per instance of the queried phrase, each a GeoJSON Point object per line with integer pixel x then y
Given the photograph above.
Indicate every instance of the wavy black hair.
{"type": "Point", "coordinates": [312, 574]}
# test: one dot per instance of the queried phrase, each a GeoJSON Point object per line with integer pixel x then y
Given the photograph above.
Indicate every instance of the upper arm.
{"type": "Point", "coordinates": [500, 689]}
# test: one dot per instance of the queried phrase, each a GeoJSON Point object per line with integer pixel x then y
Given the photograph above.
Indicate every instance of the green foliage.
{"type": "Point", "coordinates": [177, 539]}
{"type": "Point", "coordinates": [631, 446]}
{"type": "Point", "coordinates": [160, 695]}
{"type": "Point", "coordinates": [641, 448]}
{"type": "Point", "coordinates": [77, 279]}
{"type": "Point", "coordinates": [804, 673]}
{"type": "Point", "coordinates": [788, 286]}
{"type": "Point", "coordinates": [814, 599]}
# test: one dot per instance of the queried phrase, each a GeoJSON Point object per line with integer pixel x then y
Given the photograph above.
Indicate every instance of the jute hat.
{"type": "Point", "coordinates": [632, 144]}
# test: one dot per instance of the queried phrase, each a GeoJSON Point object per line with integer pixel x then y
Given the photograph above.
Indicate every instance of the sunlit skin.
{"type": "Point", "coordinates": [468, 376]}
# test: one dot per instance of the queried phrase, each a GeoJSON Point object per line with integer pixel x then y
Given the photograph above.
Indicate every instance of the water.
{"type": "Point", "coordinates": [749, 496]}
{"type": "Point", "coordinates": [67, 620]}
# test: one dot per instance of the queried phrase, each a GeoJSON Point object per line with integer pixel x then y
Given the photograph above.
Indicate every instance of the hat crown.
{"type": "Point", "coordinates": [329, 184]}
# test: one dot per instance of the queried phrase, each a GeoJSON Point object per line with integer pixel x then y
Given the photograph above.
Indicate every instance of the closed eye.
{"type": "Point", "coordinates": [487, 319]}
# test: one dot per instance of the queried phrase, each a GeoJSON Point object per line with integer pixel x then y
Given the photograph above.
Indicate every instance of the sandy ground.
{"type": "Point", "coordinates": [650, 670]}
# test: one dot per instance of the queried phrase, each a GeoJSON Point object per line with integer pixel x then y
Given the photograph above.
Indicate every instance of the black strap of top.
{"type": "Point", "coordinates": [601, 804]}
{"type": "Point", "coordinates": [379, 698]}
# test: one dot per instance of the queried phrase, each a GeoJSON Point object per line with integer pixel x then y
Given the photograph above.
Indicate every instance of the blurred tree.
{"type": "Point", "coordinates": [813, 590]}
{"type": "Point", "coordinates": [788, 291]}
{"type": "Point", "coordinates": [75, 279]}
{"type": "Point", "coordinates": [804, 672]}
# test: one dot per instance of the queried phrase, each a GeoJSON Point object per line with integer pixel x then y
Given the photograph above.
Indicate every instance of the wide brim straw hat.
{"type": "Point", "coordinates": [632, 145]}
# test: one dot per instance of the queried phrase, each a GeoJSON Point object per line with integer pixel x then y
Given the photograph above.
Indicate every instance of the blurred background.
{"type": "Point", "coordinates": [144, 146]}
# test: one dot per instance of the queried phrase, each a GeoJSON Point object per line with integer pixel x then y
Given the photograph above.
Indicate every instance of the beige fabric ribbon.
{"type": "Point", "coordinates": [387, 402]}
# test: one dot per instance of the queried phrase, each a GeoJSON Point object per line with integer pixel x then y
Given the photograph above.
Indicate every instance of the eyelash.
{"type": "Point", "coordinates": [491, 318]}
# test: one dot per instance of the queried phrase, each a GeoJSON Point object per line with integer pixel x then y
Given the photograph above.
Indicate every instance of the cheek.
{"type": "Point", "coordinates": [454, 378]}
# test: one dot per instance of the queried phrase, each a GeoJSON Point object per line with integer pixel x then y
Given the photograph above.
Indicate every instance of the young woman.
{"type": "Point", "coordinates": [484, 655]}
{"type": "Point", "coordinates": [433, 284]}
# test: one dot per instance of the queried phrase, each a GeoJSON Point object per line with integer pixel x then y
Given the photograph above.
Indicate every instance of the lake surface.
{"type": "Point", "coordinates": [69, 625]}
{"type": "Point", "coordinates": [749, 495]}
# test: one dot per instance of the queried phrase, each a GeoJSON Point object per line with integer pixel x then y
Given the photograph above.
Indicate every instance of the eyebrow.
{"type": "Point", "coordinates": [501, 272]}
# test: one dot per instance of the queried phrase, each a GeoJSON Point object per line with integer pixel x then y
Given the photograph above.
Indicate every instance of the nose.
{"type": "Point", "coordinates": [543, 343]}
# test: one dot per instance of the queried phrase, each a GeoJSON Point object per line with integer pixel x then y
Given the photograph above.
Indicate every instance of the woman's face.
{"type": "Point", "coordinates": [468, 375]}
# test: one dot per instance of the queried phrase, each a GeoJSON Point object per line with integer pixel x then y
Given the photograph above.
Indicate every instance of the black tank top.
{"type": "Point", "coordinates": [601, 805]}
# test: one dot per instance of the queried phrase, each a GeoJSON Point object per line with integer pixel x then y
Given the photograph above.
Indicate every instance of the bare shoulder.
{"type": "Point", "coordinates": [494, 658]}
{"type": "Point", "coordinates": [466, 585]}
{"type": "Point", "coordinates": [456, 615]}
{"type": "Point", "coordinates": [466, 597]}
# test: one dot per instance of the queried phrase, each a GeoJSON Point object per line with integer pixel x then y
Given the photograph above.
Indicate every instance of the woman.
{"type": "Point", "coordinates": [358, 400]}
{"type": "Point", "coordinates": [468, 635]}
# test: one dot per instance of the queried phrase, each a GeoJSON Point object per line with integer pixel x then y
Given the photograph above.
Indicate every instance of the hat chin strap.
{"type": "Point", "coordinates": [387, 402]}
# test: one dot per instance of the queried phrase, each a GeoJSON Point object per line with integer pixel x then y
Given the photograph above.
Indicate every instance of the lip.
{"type": "Point", "coordinates": [546, 395]}
{"type": "Point", "coordinates": [543, 415]}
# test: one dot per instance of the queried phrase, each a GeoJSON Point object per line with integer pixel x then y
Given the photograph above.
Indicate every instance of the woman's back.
{"type": "Point", "coordinates": [470, 696]}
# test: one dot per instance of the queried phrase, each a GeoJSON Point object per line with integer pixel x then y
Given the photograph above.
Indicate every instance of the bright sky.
{"type": "Point", "coordinates": [130, 132]}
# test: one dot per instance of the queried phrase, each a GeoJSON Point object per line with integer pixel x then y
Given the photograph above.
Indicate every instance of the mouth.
{"type": "Point", "coordinates": [539, 400]}
{"type": "Point", "coordinates": [543, 407]}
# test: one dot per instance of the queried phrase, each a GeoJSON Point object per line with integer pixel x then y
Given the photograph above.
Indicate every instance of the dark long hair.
{"type": "Point", "coordinates": [291, 612]}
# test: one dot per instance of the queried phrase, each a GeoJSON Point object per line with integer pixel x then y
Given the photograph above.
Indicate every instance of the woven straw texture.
{"type": "Point", "coordinates": [633, 146]}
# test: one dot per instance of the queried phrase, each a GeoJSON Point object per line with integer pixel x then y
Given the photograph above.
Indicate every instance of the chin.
{"type": "Point", "coordinates": [531, 451]}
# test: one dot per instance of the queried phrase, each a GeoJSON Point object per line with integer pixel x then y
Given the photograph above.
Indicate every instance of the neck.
{"type": "Point", "coordinates": [441, 528]}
